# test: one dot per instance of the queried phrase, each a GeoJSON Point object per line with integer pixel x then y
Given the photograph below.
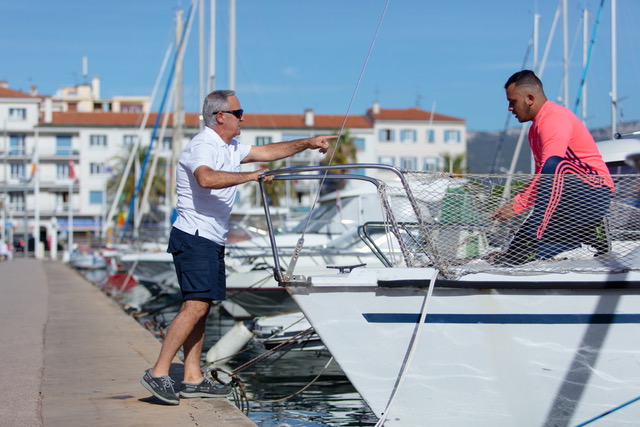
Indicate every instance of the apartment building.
{"type": "Point", "coordinates": [59, 152]}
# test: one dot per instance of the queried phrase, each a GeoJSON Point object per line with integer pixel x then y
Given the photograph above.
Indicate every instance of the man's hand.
{"type": "Point", "coordinates": [504, 212]}
{"type": "Point", "coordinates": [266, 179]}
{"type": "Point", "coordinates": [321, 143]}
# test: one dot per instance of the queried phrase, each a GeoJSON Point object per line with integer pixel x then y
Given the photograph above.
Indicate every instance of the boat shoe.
{"type": "Point", "coordinates": [160, 387]}
{"type": "Point", "coordinates": [205, 388]}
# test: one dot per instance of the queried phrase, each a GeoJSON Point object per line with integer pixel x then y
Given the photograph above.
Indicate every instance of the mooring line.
{"type": "Point", "coordinates": [604, 414]}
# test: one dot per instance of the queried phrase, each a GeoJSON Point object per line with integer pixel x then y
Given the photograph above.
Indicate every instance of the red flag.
{"type": "Point", "coordinates": [72, 171]}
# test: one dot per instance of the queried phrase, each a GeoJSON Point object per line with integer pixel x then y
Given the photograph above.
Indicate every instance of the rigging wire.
{"type": "Point", "coordinates": [413, 344]}
{"type": "Point", "coordinates": [299, 244]}
{"type": "Point", "coordinates": [586, 66]}
{"type": "Point", "coordinates": [134, 149]}
{"type": "Point", "coordinates": [179, 56]}
{"type": "Point", "coordinates": [346, 117]}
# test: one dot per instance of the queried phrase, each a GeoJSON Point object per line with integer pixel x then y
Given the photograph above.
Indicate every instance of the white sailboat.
{"type": "Point", "coordinates": [446, 338]}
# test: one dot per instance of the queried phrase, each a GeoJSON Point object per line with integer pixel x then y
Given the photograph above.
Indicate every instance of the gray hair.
{"type": "Point", "coordinates": [218, 100]}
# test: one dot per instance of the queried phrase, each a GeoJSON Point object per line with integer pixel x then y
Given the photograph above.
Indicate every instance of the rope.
{"type": "Point", "coordinates": [282, 399]}
{"type": "Point", "coordinates": [344, 122]}
{"type": "Point", "coordinates": [412, 346]}
{"type": "Point", "coordinates": [239, 389]}
{"type": "Point", "coordinates": [258, 343]}
{"type": "Point", "coordinates": [268, 353]}
{"type": "Point", "coordinates": [155, 328]}
{"type": "Point", "coordinates": [604, 414]}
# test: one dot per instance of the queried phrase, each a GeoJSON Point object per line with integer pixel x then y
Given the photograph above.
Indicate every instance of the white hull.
{"type": "Point", "coordinates": [494, 357]}
{"type": "Point", "coordinates": [508, 334]}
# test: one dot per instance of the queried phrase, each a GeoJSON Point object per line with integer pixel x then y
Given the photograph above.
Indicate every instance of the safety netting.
{"type": "Point", "coordinates": [565, 223]}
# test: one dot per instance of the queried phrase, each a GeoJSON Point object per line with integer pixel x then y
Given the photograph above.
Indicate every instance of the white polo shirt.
{"type": "Point", "coordinates": [202, 209]}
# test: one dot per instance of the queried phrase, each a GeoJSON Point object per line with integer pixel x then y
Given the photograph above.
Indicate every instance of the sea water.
{"type": "Point", "coordinates": [275, 385]}
{"type": "Point", "coordinates": [278, 387]}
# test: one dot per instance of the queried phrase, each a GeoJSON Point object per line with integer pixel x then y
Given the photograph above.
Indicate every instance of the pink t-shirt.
{"type": "Point", "coordinates": [556, 131]}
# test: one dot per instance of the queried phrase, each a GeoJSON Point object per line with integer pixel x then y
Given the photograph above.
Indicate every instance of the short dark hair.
{"type": "Point", "coordinates": [524, 77]}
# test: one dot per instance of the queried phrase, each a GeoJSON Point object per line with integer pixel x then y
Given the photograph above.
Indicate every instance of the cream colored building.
{"type": "Point", "coordinates": [77, 129]}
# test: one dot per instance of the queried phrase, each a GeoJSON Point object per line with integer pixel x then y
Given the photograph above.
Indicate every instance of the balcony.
{"type": "Point", "coordinates": [14, 155]}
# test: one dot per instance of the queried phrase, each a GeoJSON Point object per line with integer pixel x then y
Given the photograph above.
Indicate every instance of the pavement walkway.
{"type": "Point", "coordinates": [72, 357]}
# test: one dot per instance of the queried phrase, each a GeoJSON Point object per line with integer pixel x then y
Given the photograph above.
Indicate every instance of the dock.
{"type": "Point", "coordinates": [72, 356]}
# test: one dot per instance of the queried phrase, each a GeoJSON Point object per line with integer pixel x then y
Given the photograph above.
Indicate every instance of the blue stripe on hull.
{"type": "Point", "coordinates": [505, 319]}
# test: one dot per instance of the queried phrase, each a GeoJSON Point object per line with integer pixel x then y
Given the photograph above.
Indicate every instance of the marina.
{"type": "Point", "coordinates": [388, 277]}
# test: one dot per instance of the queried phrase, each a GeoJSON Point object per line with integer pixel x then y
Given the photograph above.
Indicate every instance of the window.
{"type": "Point", "coordinates": [431, 164]}
{"type": "Point", "coordinates": [408, 135]}
{"type": "Point", "coordinates": [409, 163]}
{"type": "Point", "coordinates": [17, 170]}
{"type": "Point", "coordinates": [451, 136]}
{"type": "Point", "coordinates": [62, 170]}
{"type": "Point", "coordinates": [386, 135]}
{"type": "Point", "coordinates": [167, 143]}
{"type": "Point", "coordinates": [431, 136]}
{"type": "Point", "coordinates": [360, 143]}
{"type": "Point", "coordinates": [96, 168]}
{"type": "Point", "coordinates": [17, 113]}
{"type": "Point", "coordinates": [131, 108]}
{"type": "Point", "coordinates": [17, 145]}
{"type": "Point", "coordinates": [61, 201]}
{"type": "Point", "coordinates": [263, 140]}
{"type": "Point", "coordinates": [98, 141]}
{"type": "Point", "coordinates": [129, 141]}
{"type": "Point", "coordinates": [95, 197]}
{"type": "Point", "coordinates": [387, 160]}
{"type": "Point", "coordinates": [63, 145]}
{"type": "Point", "coordinates": [16, 200]}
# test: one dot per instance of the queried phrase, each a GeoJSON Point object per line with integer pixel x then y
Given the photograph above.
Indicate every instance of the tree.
{"type": "Point", "coordinates": [342, 152]}
{"type": "Point", "coordinates": [453, 163]}
{"type": "Point", "coordinates": [156, 195]}
{"type": "Point", "coordinates": [276, 190]}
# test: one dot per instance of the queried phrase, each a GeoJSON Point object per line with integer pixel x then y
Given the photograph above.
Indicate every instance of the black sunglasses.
{"type": "Point", "coordinates": [237, 113]}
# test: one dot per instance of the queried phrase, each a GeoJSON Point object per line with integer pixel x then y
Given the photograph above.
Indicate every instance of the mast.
{"type": "Point", "coordinates": [585, 59]}
{"type": "Point", "coordinates": [178, 113]}
{"type": "Point", "coordinates": [232, 44]}
{"type": "Point", "coordinates": [212, 48]}
{"type": "Point", "coordinates": [70, 212]}
{"type": "Point", "coordinates": [201, 83]}
{"type": "Point", "coordinates": [614, 71]}
{"type": "Point", "coordinates": [36, 195]}
{"type": "Point", "coordinates": [565, 52]}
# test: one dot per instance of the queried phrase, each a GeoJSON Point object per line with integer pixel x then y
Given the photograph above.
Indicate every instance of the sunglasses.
{"type": "Point", "coordinates": [237, 113]}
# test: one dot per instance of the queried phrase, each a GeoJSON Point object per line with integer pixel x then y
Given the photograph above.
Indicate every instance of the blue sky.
{"type": "Point", "coordinates": [296, 54]}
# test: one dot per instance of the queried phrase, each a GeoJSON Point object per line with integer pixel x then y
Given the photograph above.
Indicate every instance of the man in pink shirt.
{"type": "Point", "coordinates": [564, 150]}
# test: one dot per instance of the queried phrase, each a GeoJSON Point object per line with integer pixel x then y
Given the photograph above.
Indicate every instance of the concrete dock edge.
{"type": "Point", "coordinates": [73, 357]}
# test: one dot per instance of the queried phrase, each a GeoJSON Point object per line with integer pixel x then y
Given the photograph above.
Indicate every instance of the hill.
{"type": "Point", "coordinates": [489, 152]}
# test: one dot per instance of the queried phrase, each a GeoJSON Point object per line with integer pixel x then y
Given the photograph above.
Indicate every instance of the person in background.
{"type": "Point", "coordinates": [4, 252]}
{"type": "Point", "coordinates": [207, 174]}
{"type": "Point", "coordinates": [572, 190]}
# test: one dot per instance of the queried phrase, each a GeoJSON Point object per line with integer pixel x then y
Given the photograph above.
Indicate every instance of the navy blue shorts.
{"type": "Point", "coordinates": [199, 265]}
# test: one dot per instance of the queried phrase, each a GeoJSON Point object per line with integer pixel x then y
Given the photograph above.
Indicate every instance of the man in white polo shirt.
{"type": "Point", "coordinates": [207, 174]}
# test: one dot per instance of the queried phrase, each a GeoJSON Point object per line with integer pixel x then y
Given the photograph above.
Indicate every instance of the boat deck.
{"type": "Point", "coordinates": [71, 356]}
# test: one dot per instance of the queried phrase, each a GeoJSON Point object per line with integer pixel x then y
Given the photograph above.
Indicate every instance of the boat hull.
{"type": "Point", "coordinates": [486, 352]}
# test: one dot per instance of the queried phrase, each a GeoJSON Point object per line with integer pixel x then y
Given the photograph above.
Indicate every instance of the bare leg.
{"type": "Point", "coordinates": [187, 329]}
{"type": "Point", "coordinates": [192, 352]}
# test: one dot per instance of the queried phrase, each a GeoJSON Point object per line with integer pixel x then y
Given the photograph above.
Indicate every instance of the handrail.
{"type": "Point", "coordinates": [294, 173]}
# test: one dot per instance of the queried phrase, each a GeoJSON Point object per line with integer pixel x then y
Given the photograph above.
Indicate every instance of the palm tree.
{"type": "Point", "coordinates": [156, 195]}
{"type": "Point", "coordinates": [276, 190]}
{"type": "Point", "coordinates": [453, 163]}
{"type": "Point", "coordinates": [342, 152]}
